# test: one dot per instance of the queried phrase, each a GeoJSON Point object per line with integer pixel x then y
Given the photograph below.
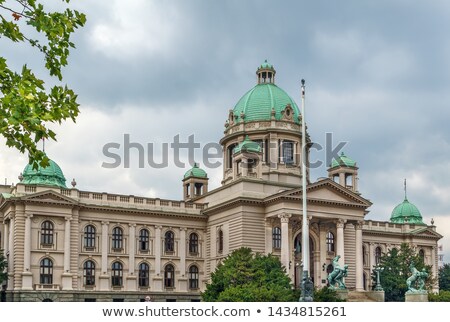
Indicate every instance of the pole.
{"type": "Point", "coordinates": [307, 287]}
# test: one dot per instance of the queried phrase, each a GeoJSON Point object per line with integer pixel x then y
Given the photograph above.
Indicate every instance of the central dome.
{"type": "Point", "coordinates": [406, 212]}
{"type": "Point", "coordinates": [265, 99]}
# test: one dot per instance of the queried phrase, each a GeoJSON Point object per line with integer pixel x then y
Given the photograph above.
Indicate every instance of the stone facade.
{"type": "Point", "coordinates": [72, 245]}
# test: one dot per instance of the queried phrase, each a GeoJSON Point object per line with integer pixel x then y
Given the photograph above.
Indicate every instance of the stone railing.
{"type": "Point", "coordinates": [117, 200]}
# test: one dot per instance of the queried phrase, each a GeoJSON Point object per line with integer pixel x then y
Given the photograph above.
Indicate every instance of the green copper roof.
{"type": "Point", "coordinates": [343, 161]}
{"type": "Point", "coordinates": [196, 172]}
{"type": "Point", "coordinates": [48, 176]}
{"type": "Point", "coordinates": [258, 102]}
{"type": "Point", "coordinates": [266, 65]}
{"type": "Point", "coordinates": [406, 212]}
{"type": "Point", "coordinates": [247, 146]}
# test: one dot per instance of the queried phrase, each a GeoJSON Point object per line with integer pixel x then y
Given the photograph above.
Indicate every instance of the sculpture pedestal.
{"type": "Point", "coordinates": [377, 296]}
{"type": "Point", "coordinates": [416, 297]}
{"type": "Point", "coordinates": [342, 294]}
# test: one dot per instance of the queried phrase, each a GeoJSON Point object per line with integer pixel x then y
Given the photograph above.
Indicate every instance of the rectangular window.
{"type": "Point", "coordinates": [288, 152]}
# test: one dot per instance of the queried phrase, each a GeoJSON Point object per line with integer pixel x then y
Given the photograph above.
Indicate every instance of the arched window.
{"type": "Point", "coordinates": [89, 273]}
{"type": "Point", "coordinates": [377, 255]}
{"type": "Point", "coordinates": [220, 241]}
{"type": "Point", "coordinates": [46, 271]}
{"type": "Point", "coordinates": [193, 243]}
{"type": "Point", "coordinates": [144, 274]}
{"type": "Point", "coordinates": [117, 274]}
{"type": "Point", "coordinates": [144, 239]}
{"type": "Point", "coordinates": [169, 241]}
{"type": "Point", "coordinates": [117, 238]}
{"type": "Point", "coordinates": [330, 242]}
{"type": "Point", "coordinates": [276, 237]}
{"type": "Point", "coordinates": [169, 276]}
{"type": "Point", "coordinates": [193, 277]}
{"type": "Point", "coordinates": [89, 236]}
{"type": "Point", "coordinates": [422, 255]}
{"type": "Point", "coordinates": [47, 233]}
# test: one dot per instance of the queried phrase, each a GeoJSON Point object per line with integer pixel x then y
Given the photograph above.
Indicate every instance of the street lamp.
{"type": "Point", "coordinates": [378, 269]}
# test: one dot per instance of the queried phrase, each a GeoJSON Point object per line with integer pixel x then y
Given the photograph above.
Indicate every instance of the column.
{"type": "Point", "coordinates": [434, 268]}
{"type": "Point", "coordinates": [131, 278]}
{"type": "Point", "coordinates": [10, 256]}
{"type": "Point", "coordinates": [66, 276]}
{"type": "Point", "coordinates": [157, 279]}
{"type": "Point", "coordinates": [268, 228]}
{"type": "Point", "coordinates": [5, 236]}
{"type": "Point", "coordinates": [342, 179]}
{"type": "Point", "coordinates": [284, 218]}
{"type": "Point", "coordinates": [104, 277]}
{"type": "Point", "coordinates": [359, 257]}
{"type": "Point", "coordinates": [27, 277]}
{"type": "Point", "coordinates": [371, 262]}
{"type": "Point", "coordinates": [182, 279]}
{"type": "Point", "coordinates": [340, 241]}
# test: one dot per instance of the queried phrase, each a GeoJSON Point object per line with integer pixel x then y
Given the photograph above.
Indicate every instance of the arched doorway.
{"type": "Point", "coordinates": [365, 281]}
{"type": "Point", "coordinates": [298, 260]}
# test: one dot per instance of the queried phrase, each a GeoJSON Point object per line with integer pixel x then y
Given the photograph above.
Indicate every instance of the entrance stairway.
{"type": "Point", "coordinates": [354, 296]}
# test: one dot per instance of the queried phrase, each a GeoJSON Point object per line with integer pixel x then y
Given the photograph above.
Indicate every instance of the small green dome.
{"type": "Point", "coordinates": [406, 212]}
{"type": "Point", "coordinates": [266, 65]}
{"type": "Point", "coordinates": [343, 161]}
{"type": "Point", "coordinates": [196, 172]}
{"type": "Point", "coordinates": [51, 175]}
{"type": "Point", "coordinates": [247, 146]}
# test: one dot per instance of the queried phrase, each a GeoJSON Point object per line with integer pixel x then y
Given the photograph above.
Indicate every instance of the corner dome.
{"type": "Point", "coordinates": [196, 172]}
{"type": "Point", "coordinates": [265, 100]}
{"type": "Point", "coordinates": [51, 175]}
{"type": "Point", "coordinates": [406, 212]}
{"type": "Point", "coordinates": [343, 160]}
{"type": "Point", "coordinates": [247, 146]}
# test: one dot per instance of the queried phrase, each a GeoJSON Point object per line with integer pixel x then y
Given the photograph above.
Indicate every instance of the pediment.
{"type": "Point", "coordinates": [426, 232]}
{"type": "Point", "coordinates": [49, 197]}
{"type": "Point", "coordinates": [327, 191]}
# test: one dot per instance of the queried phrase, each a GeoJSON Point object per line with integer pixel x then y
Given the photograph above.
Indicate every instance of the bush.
{"type": "Point", "coordinates": [443, 296]}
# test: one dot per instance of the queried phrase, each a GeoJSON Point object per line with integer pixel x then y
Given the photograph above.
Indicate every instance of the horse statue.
{"type": "Point", "coordinates": [337, 275]}
{"type": "Point", "coordinates": [416, 282]}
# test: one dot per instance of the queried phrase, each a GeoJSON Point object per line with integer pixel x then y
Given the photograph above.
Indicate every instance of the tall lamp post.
{"type": "Point", "coordinates": [307, 286]}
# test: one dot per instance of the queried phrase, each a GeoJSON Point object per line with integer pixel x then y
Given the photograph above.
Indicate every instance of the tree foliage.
{"type": "Point", "coordinates": [247, 277]}
{"type": "Point", "coordinates": [27, 107]}
{"type": "Point", "coordinates": [396, 270]}
{"type": "Point", "coordinates": [3, 265]}
{"type": "Point", "coordinates": [444, 277]}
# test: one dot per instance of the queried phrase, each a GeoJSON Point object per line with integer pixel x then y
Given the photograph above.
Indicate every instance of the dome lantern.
{"type": "Point", "coordinates": [266, 73]}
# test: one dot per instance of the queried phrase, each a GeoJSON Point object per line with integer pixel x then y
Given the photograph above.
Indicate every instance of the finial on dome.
{"type": "Point", "coordinates": [405, 190]}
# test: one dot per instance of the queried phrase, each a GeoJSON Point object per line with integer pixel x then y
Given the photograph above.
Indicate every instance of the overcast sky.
{"type": "Point", "coordinates": [377, 73]}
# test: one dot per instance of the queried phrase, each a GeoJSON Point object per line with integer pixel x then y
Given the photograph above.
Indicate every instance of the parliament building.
{"type": "Point", "coordinates": [67, 244]}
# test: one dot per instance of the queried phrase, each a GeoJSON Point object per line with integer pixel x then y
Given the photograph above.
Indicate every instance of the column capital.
{"type": "Point", "coordinates": [284, 217]}
{"type": "Point", "coordinates": [359, 225]}
{"type": "Point", "coordinates": [105, 223]}
{"type": "Point", "coordinates": [158, 227]}
{"type": "Point", "coordinates": [183, 229]}
{"type": "Point", "coordinates": [340, 223]}
{"type": "Point", "coordinates": [67, 218]}
{"type": "Point", "coordinates": [28, 215]}
{"type": "Point", "coordinates": [132, 225]}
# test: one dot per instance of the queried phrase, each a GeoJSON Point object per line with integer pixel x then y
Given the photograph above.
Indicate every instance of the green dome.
{"type": "Point", "coordinates": [343, 161]}
{"type": "Point", "coordinates": [51, 175]}
{"type": "Point", "coordinates": [265, 100]}
{"type": "Point", "coordinates": [247, 146]}
{"type": "Point", "coordinates": [196, 172]}
{"type": "Point", "coordinates": [406, 212]}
